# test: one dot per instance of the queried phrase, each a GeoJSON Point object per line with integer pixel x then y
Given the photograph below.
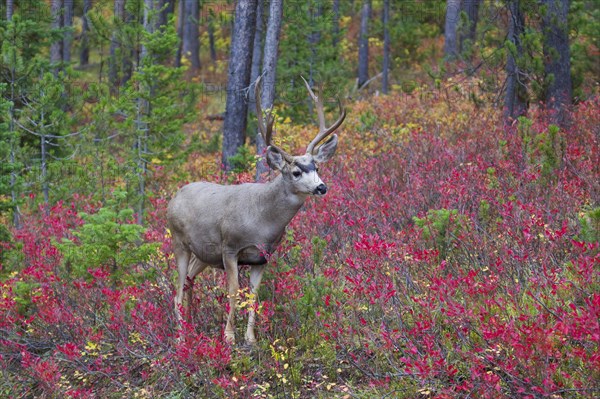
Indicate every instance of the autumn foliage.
{"type": "Point", "coordinates": [453, 256]}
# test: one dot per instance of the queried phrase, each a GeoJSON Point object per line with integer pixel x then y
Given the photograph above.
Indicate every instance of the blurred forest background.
{"type": "Point", "coordinates": [106, 107]}
{"type": "Point", "coordinates": [94, 91]}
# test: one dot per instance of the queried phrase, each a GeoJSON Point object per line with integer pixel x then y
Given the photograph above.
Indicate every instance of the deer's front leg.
{"type": "Point", "coordinates": [182, 257]}
{"type": "Point", "coordinates": [231, 268]}
{"type": "Point", "coordinates": [256, 273]}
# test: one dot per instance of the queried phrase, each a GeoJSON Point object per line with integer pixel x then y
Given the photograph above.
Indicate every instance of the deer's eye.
{"type": "Point", "coordinates": [297, 173]}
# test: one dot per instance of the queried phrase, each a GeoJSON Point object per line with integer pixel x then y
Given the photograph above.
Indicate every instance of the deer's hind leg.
{"type": "Point", "coordinates": [195, 267]}
{"type": "Point", "coordinates": [256, 273]}
{"type": "Point", "coordinates": [231, 269]}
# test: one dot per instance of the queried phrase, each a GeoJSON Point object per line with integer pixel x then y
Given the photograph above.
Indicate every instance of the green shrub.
{"type": "Point", "coordinates": [590, 225]}
{"type": "Point", "coordinates": [243, 161]}
{"type": "Point", "coordinates": [441, 227]}
{"type": "Point", "coordinates": [107, 238]}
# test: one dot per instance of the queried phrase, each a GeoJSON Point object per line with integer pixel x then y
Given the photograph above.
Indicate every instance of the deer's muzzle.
{"type": "Point", "coordinates": [320, 190]}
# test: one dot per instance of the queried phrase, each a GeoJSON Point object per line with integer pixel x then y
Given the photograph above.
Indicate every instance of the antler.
{"type": "Point", "coordinates": [266, 131]}
{"type": "Point", "coordinates": [323, 130]}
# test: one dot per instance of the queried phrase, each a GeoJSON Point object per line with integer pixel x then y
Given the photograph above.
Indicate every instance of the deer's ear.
{"type": "Point", "coordinates": [275, 159]}
{"type": "Point", "coordinates": [327, 149]}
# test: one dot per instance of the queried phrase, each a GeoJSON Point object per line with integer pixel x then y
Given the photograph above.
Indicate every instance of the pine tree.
{"type": "Point", "coordinates": [45, 121]}
{"type": "Point", "coordinates": [306, 50]}
{"type": "Point", "coordinates": [8, 136]}
{"type": "Point", "coordinates": [24, 39]}
{"type": "Point", "coordinates": [153, 105]}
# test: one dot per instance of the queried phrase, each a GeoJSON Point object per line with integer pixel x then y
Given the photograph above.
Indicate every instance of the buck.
{"type": "Point", "coordinates": [225, 226]}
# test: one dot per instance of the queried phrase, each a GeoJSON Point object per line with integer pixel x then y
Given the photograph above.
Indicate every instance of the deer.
{"type": "Point", "coordinates": [224, 226]}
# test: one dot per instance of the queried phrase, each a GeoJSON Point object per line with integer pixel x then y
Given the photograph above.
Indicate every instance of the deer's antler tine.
{"type": "Point", "coordinates": [266, 131]}
{"type": "Point", "coordinates": [312, 93]}
{"type": "Point", "coordinates": [270, 121]}
{"type": "Point", "coordinates": [319, 103]}
{"type": "Point", "coordinates": [323, 130]}
{"type": "Point", "coordinates": [339, 122]}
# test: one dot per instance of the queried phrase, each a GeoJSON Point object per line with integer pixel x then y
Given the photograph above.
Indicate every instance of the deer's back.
{"type": "Point", "coordinates": [206, 217]}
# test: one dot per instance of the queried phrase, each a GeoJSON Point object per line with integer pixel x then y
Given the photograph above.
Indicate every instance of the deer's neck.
{"type": "Point", "coordinates": [279, 201]}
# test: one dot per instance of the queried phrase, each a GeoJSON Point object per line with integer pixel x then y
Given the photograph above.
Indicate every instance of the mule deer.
{"type": "Point", "coordinates": [223, 226]}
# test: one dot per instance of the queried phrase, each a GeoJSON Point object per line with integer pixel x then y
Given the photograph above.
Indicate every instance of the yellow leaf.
{"type": "Point", "coordinates": [91, 346]}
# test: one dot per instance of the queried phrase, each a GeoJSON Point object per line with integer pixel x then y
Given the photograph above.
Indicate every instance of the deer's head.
{"type": "Point", "coordinates": [300, 172]}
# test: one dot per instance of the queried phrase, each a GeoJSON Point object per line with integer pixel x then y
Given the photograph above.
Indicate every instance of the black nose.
{"type": "Point", "coordinates": [321, 189]}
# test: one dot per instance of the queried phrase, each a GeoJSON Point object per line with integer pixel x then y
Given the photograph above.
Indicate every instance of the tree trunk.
{"type": "Point", "coordinates": [10, 9]}
{"type": "Point", "coordinates": [257, 48]}
{"type": "Point", "coordinates": [336, 22]}
{"type": "Point", "coordinates": [515, 102]}
{"type": "Point", "coordinates": [257, 52]}
{"type": "Point", "coordinates": [45, 184]}
{"type": "Point", "coordinates": [269, 71]}
{"type": "Point", "coordinates": [68, 35]}
{"type": "Point", "coordinates": [271, 52]}
{"type": "Point", "coordinates": [211, 39]}
{"type": "Point", "coordinates": [11, 128]}
{"type": "Point", "coordinates": [180, 24]}
{"type": "Point", "coordinates": [131, 51]}
{"type": "Point", "coordinates": [84, 53]}
{"type": "Point", "coordinates": [363, 44]}
{"type": "Point", "coordinates": [240, 64]}
{"type": "Point", "coordinates": [557, 58]}
{"type": "Point", "coordinates": [471, 9]}
{"type": "Point", "coordinates": [191, 44]}
{"type": "Point", "coordinates": [452, 18]}
{"type": "Point", "coordinates": [13, 184]}
{"type": "Point", "coordinates": [313, 41]}
{"type": "Point", "coordinates": [44, 165]}
{"type": "Point", "coordinates": [143, 110]}
{"type": "Point", "coordinates": [149, 21]}
{"type": "Point", "coordinates": [56, 9]}
{"type": "Point", "coordinates": [115, 45]}
{"type": "Point", "coordinates": [167, 7]}
{"type": "Point", "coordinates": [386, 47]}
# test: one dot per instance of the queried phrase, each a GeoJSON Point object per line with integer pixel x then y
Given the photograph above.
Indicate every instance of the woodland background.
{"type": "Point", "coordinates": [457, 251]}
